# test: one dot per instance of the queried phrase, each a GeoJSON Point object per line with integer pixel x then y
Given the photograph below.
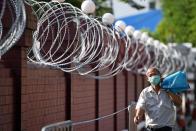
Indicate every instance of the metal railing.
{"type": "Point", "coordinates": [59, 126]}
{"type": "Point", "coordinates": [68, 125]}
{"type": "Point", "coordinates": [131, 112]}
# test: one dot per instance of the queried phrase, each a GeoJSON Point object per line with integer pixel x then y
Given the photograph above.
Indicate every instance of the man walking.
{"type": "Point", "coordinates": [156, 104]}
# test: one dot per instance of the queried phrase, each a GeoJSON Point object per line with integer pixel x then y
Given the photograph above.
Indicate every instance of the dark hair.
{"type": "Point", "coordinates": [156, 69]}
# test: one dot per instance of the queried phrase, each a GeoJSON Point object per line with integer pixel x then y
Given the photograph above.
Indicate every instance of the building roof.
{"type": "Point", "coordinates": [148, 20]}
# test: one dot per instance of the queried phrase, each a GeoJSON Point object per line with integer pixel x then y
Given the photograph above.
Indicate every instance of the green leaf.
{"type": "Point", "coordinates": [178, 24]}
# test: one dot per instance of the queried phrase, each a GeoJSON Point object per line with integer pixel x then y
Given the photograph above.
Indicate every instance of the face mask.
{"type": "Point", "coordinates": [154, 80]}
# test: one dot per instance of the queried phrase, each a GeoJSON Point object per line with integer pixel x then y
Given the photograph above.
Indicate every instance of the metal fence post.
{"type": "Point", "coordinates": [131, 107]}
{"type": "Point", "coordinates": [129, 112]}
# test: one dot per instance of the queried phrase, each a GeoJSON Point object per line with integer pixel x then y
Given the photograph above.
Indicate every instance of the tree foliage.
{"type": "Point", "coordinates": [179, 22]}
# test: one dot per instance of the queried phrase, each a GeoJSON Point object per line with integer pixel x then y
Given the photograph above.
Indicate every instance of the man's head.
{"type": "Point", "coordinates": [152, 71]}
{"type": "Point", "coordinates": [154, 76]}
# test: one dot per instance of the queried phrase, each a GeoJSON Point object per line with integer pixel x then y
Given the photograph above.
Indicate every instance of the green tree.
{"type": "Point", "coordinates": [192, 22]}
{"type": "Point", "coordinates": [103, 6]}
{"type": "Point", "coordinates": [179, 22]}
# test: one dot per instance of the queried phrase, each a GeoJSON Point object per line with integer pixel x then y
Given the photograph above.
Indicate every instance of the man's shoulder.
{"type": "Point", "coordinates": [145, 92]}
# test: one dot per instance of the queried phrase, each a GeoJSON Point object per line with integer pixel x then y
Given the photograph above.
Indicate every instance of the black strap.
{"type": "Point", "coordinates": [165, 128]}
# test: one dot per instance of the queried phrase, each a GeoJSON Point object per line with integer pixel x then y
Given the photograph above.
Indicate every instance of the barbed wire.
{"type": "Point", "coordinates": [68, 39]}
{"type": "Point", "coordinates": [12, 23]}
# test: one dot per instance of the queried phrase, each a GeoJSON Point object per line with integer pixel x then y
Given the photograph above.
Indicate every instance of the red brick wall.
{"type": "Point", "coordinates": [43, 98]}
{"type": "Point", "coordinates": [131, 87]}
{"type": "Point", "coordinates": [106, 104]}
{"type": "Point", "coordinates": [121, 97]}
{"type": "Point", "coordinates": [146, 83]}
{"type": "Point", "coordinates": [132, 95]}
{"type": "Point", "coordinates": [140, 84]}
{"type": "Point", "coordinates": [6, 100]}
{"type": "Point", "coordinates": [83, 101]}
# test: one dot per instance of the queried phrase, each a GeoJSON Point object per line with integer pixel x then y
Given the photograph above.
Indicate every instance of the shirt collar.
{"type": "Point", "coordinates": [150, 89]}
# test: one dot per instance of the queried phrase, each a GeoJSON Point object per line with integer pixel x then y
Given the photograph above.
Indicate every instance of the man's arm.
{"type": "Point", "coordinates": [176, 99]}
{"type": "Point", "coordinates": [140, 108]}
{"type": "Point", "coordinates": [139, 115]}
